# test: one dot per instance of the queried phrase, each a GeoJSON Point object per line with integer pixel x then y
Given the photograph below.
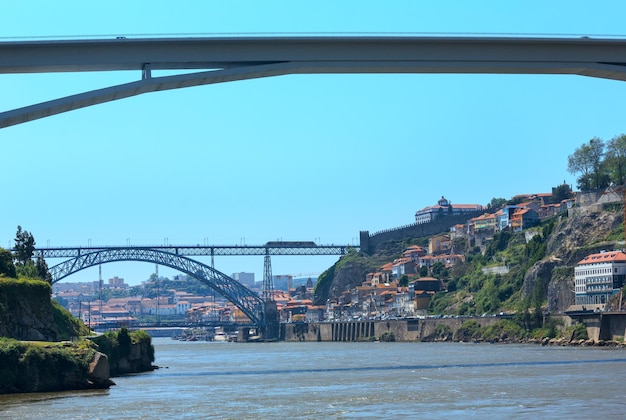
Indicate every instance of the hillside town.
{"type": "Point", "coordinates": [399, 288]}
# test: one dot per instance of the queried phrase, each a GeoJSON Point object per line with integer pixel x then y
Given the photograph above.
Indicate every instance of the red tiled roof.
{"type": "Point", "coordinates": [613, 256]}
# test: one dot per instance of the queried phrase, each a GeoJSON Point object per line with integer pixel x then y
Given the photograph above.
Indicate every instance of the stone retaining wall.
{"type": "Point", "coordinates": [397, 330]}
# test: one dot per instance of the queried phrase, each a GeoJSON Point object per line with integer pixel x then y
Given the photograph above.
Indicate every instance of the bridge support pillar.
{"type": "Point", "coordinates": [243, 334]}
{"type": "Point", "coordinates": [272, 322]}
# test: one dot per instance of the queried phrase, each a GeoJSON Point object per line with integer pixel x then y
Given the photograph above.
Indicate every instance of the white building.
{"type": "Point", "coordinates": [598, 276]}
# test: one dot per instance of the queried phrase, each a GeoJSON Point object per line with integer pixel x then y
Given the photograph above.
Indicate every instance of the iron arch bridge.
{"type": "Point", "coordinates": [242, 297]}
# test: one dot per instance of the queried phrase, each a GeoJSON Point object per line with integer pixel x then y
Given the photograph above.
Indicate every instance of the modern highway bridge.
{"type": "Point", "coordinates": [225, 59]}
{"type": "Point", "coordinates": [259, 309]}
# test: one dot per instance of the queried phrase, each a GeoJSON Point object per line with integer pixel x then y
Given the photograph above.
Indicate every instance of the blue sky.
{"type": "Point", "coordinates": [307, 157]}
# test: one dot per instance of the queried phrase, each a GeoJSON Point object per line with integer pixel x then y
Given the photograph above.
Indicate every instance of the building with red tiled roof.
{"type": "Point", "coordinates": [523, 218]}
{"type": "Point", "coordinates": [598, 276]}
{"type": "Point", "coordinates": [413, 252]}
{"type": "Point", "coordinates": [484, 221]}
{"type": "Point", "coordinates": [439, 244]}
{"type": "Point", "coordinates": [518, 217]}
{"type": "Point", "coordinates": [444, 208]}
{"type": "Point", "coordinates": [427, 284]}
{"type": "Point", "coordinates": [403, 266]}
{"type": "Point", "coordinates": [446, 259]}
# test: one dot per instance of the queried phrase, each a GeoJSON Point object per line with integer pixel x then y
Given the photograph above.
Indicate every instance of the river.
{"type": "Point", "coordinates": [349, 380]}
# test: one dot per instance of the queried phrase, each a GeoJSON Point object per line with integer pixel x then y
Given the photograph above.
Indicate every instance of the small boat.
{"type": "Point", "coordinates": [219, 334]}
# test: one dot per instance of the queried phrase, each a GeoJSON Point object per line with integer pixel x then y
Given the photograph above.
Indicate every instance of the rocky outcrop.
{"type": "Point", "coordinates": [98, 374]}
{"type": "Point", "coordinates": [28, 367]}
{"type": "Point", "coordinates": [128, 352]}
{"type": "Point", "coordinates": [346, 277]}
{"type": "Point", "coordinates": [139, 359]}
{"type": "Point", "coordinates": [573, 239]}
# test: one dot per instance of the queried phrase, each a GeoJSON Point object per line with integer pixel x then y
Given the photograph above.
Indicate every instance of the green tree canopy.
{"type": "Point", "coordinates": [615, 159]}
{"type": "Point", "coordinates": [403, 281]}
{"type": "Point", "coordinates": [6, 264]}
{"type": "Point", "coordinates": [587, 160]}
{"type": "Point", "coordinates": [42, 270]}
{"type": "Point", "coordinates": [24, 246]}
{"type": "Point", "coordinates": [561, 192]}
{"type": "Point", "coordinates": [496, 203]}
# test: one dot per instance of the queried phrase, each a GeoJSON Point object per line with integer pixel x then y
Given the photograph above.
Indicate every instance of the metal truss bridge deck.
{"type": "Point", "coordinates": [282, 248]}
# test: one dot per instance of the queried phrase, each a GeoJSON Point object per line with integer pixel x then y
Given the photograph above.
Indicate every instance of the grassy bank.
{"type": "Point", "coordinates": [44, 366]}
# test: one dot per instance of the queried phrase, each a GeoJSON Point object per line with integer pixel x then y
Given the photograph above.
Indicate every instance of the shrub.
{"type": "Point", "coordinates": [468, 331]}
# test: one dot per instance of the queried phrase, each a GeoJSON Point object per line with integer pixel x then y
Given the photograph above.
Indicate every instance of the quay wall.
{"type": "Point", "coordinates": [391, 330]}
{"type": "Point", "coordinates": [600, 327]}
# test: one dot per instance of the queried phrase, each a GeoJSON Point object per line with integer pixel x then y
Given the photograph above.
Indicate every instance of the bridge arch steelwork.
{"type": "Point", "coordinates": [245, 299]}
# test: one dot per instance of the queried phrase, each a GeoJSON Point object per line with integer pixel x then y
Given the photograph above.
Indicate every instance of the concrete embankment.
{"type": "Point", "coordinates": [429, 329]}
{"type": "Point", "coordinates": [601, 327]}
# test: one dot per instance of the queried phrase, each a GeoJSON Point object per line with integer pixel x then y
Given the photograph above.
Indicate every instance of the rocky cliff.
{"type": "Point", "coordinates": [128, 352]}
{"type": "Point", "coordinates": [585, 232]}
{"type": "Point", "coordinates": [41, 367]}
{"type": "Point", "coordinates": [25, 310]}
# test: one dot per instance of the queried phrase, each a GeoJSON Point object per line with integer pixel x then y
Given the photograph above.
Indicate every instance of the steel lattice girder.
{"type": "Point", "coordinates": [245, 299]}
{"type": "Point", "coordinates": [198, 250]}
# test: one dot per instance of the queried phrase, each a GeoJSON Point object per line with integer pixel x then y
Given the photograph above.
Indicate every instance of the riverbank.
{"type": "Point", "coordinates": [558, 331]}
{"type": "Point", "coordinates": [89, 363]}
{"type": "Point", "coordinates": [47, 367]}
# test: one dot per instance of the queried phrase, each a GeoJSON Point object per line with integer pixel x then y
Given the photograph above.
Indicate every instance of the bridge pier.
{"type": "Point", "coordinates": [272, 322]}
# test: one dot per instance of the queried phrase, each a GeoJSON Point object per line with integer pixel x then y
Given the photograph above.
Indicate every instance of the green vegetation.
{"type": "Point", "coordinates": [577, 332]}
{"type": "Point", "coordinates": [20, 264]}
{"type": "Point", "coordinates": [117, 345]}
{"type": "Point", "coordinates": [12, 289]}
{"type": "Point", "coordinates": [598, 163]}
{"type": "Point", "coordinates": [30, 298]}
{"type": "Point", "coordinates": [30, 367]}
{"type": "Point", "coordinates": [512, 330]}
{"type": "Point", "coordinates": [388, 337]}
{"type": "Point", "coordinates": [67, 326]}
{"type": "Point", "coordinates": [360, 261]}
{"type": "Point", "coordinates": [474, 292]}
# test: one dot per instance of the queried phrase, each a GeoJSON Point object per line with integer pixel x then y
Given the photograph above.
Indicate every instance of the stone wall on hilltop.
{"type": "Point", "coordinates": [370, 243]}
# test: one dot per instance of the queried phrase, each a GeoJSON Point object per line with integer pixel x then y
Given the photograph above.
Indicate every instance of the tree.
{"type": "Point", "coordinates": [615, 158]}
{"type": "Point", "coordinates": [560, 193]}
{"type": "Point", "coordinates": [6, 264]}
{"type": "Point", "coordinates": [124, 340]}
{"type": "Point", "coordinates": [439, 271]}
{"type": "Point", "coordinates": [403, 281]}
{"type": "Point", "coordinates": [42, 270]}
{"type": "Point", "coordinates": [587, 160]}
{"type": "Point", "coordinates": [496, 203]}
{"type": "Point", "coordinates": [24, 246]}
{"type": "Point", "coordinates": [27, 270]}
